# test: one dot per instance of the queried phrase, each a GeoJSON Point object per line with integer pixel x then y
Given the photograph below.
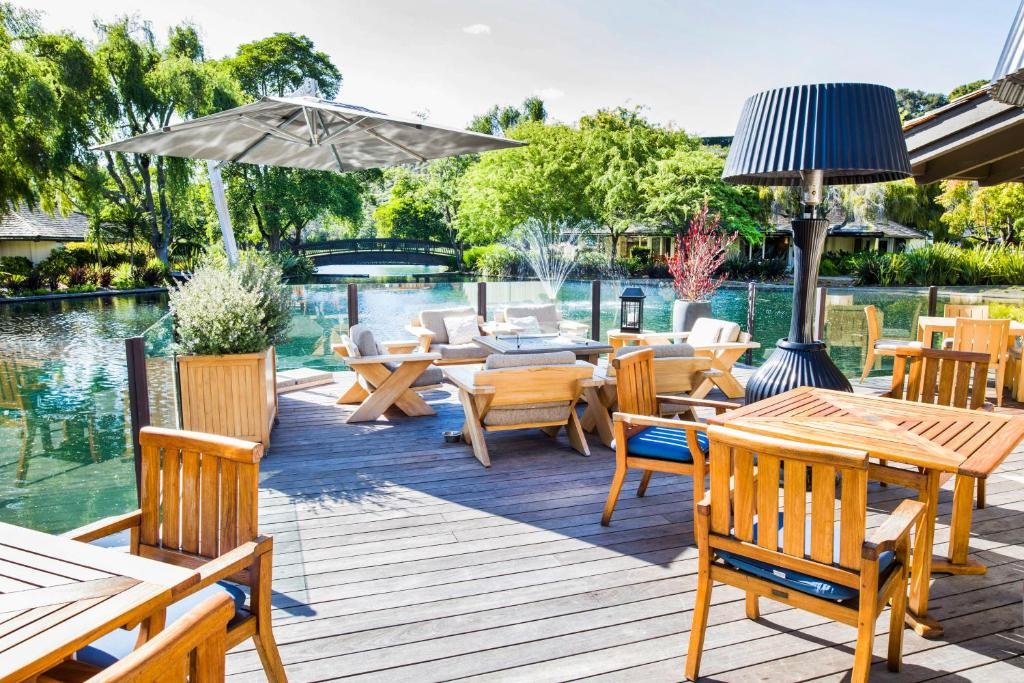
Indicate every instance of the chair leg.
{"type": "Point", "coordinates": [981, 493]}
{"type": "Point", "coordinates": [753, 609]}
{"type": "Point", "coordinates": [263, 639]}
{"type": "Point", "coordinates": [700, 622]}
{"type": "Point", "coordinates": [613, 494]}
{"type": "Point", "coordinates": [869, 361]}
{"type": "Point", "coordinates": [897, 613]}
{"type": "Point", "coordinates": [644, 481]}
{"type": "Point", "coordinates": [865, 642]}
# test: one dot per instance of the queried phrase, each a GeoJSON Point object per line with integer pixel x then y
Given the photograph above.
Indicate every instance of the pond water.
{"type": "Point", "coordinates": [65, 453]}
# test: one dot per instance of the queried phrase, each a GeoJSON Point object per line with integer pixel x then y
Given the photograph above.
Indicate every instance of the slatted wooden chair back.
{"type": "Point", "coordinates": [757, 499]}
{"type": "Point", "coordinates": [199, 493]}
{"type": "Point", "coordinates": [635, 385]}
{"type": "Point", "coordinates": [874, 324]}
{"type": "Point", "coordinates": [949, 378]}
{"type": "Point", "coordinates": [982, 336]}
{"type": "Point", "coordinates": [529, 385]}
{"type": "Point", "coordinates": [976, 311]}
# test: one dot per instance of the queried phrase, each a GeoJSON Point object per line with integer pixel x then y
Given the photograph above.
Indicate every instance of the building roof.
{"type": "Point", "coordinates": [34, 224]}
{"type": "Point", "coordinates": [879, 228]}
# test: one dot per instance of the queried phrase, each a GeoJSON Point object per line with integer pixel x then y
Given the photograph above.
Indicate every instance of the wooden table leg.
{"type": "Point", "coordinates": [956, 561]}
{"type": "Point", "coordinates": [596, 416]}
{"type": "Point", "coordinates": [921, 566]}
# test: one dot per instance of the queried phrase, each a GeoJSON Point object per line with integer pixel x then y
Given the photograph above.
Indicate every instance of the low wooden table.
{"type": "Point", "coordinates": [940, 441]}
{"type": "Point", "coordinates": [585, 349]}
{"type": "Point", "coordinates": [58, 595]}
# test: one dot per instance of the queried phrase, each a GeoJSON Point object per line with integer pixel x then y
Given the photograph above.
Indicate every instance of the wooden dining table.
{"type": "Point", "coordinates": [58, 595]}
{"type": "Point", "coordinates": [930, 325]}
{"type": "Point", "coordinates": [915, 445]}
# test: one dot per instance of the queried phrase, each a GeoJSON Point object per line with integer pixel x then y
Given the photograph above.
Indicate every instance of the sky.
{"type": "Point", "coordinates": [690, 63]}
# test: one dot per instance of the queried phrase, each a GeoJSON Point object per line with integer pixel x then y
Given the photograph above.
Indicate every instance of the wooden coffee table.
{"type": "Point", "coordinates": [515, 344]}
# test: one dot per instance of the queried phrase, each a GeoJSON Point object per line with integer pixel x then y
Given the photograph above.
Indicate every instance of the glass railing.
{"type": "Point", "coordinates": [161, 374]}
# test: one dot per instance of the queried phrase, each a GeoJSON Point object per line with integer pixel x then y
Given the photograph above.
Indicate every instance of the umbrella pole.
{"type": "Point", "coordinates": [220, 201]}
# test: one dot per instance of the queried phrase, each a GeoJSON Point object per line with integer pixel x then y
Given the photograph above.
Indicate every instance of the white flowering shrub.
{"type": "Point", "coordinates": [224, 310]}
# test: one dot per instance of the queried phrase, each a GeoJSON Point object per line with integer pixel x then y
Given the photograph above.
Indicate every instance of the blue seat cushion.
{"type": "Point", "coordinates": [796, 580]}
{"type": "Point", "coordinates": [664, 443]}
{"type": "Point", "coordinates": [118, 643]}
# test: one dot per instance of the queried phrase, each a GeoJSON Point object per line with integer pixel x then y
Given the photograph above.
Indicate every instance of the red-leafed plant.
{"type": "Point", "coordinates": [699, 254]}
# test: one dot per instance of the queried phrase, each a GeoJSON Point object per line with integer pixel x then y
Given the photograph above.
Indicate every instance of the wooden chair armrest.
{"type": "Point", "coordinates": [704, 506]}
{"type": "Point", "coordinates": [719, 406]}
{"type": "Point", "coordinates": [462, 377]}
{"type": "Point", "coordinates": [231, 562]}
{"type": "Point", "coordinates": [393, 358]}
{"type": "Point", "coordinates": [648, 421]}
{"type": "Point", "coordinates": [591, 382]}
{"type": "Point", "coordinates": [105, 527]}
{"type": "Point", "coordinates": [721, 346]}
{"type": "Point", "coordinates": [400, 346]}
{"type": "Point", "coordinates": [893, 529]}
{"type": "Point", "coordinates": [418, 331]}
{"type": "Point", "coordinates": [340, 349]}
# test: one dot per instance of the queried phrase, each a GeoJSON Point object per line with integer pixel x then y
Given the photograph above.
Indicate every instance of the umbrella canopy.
{"type": "Point", "coordinates": [308, 132]}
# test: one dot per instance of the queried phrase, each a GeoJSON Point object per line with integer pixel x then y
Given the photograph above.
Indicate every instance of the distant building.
{"type": "Point", "coordinates": [33, 233]}
{"type": "Point", "coordinates": [883, 236]}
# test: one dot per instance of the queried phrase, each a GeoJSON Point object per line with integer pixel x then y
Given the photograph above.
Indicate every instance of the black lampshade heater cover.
{"type": "Point", "coordinates": [810, 135]}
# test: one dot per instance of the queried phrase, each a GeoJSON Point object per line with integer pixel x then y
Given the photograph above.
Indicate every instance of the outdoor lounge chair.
{"type": "Point", "coordinates": [198, 509]}
{"type": "Point", "coordinates": [532, 391]}
{"type": "Point", "coordinates": [192, 649]}
{"type": "Point", "coordinates": [429, 328]}
{"type": "Point", "coordinates": [646, 441]}
{"type": "Point", "coordinates": [720, 340]}
{"type": "Point", "coordinates": [821, 563]}
{"type": "Point", "coordinates": [549, 319]}
{"type": "Point", "coordinates": [384, 378]}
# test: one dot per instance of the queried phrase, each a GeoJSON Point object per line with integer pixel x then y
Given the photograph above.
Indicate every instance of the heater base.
{"type": "Point", "coordinates": [794, 365]}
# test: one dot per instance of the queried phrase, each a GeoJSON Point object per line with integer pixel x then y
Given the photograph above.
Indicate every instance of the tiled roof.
{"type": "Point", "coordinates": [881, 228]}
{"type": "Point", "coordinates": [35, 224]}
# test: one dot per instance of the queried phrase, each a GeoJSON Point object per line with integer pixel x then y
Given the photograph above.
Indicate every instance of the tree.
{"type": "Point", "coordinates": [914, 103]}
{"type": "Point", "coordinates": [966, 88]}
{"type": "Point", "coordinates": [915, 205]}
{"type": "Point", "coordinates": [275, 203]}
{"type": "Point", "coordinates": [500, 120]}
{"type": "Point", "coordinates": [409, 212]}
{"type": "Point", "coordinates": [547, 180]}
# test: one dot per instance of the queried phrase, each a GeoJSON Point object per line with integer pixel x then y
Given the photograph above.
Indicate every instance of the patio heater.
{"type": "Point", "coordinates": [810, 136]}
{"type": "Point", "coordinates": [631, 310]}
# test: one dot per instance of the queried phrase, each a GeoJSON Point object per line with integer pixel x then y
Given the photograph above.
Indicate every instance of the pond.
{"type": "Point", "coordinates": [65, 453]}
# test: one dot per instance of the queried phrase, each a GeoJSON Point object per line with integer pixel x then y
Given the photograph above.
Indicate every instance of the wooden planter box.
{"type": "Point", "coordinates": [230, 395]}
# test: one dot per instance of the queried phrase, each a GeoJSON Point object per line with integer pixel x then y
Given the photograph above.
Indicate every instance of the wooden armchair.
{"type": "Point", "coordinates": [533, 391]}
{"type": "Point", "coordinates": [191, 650]}
{"type": "Point", "coordinates": [879, 345]}
{"type": "Point", "coordinates": [821, 563]}
{"type": "Point", "coordinates": [990, 337]}
{"type": "Point", "coordinates": [720, 340]}
{"type": "Point", "coordinates": [975, 311]}
{"type": "Point", "coordinates": [386, 376]}
{"type": "Point", "coordinates": [199, 510]}
{"type": "Point", "coordinates": [646, 441]}
{"type": "Point", "coordinates": [429, 329]}
{"type": "Point", "coordinates": [957, 379]}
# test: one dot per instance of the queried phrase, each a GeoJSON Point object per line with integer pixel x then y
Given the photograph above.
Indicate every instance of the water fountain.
{"type": "Point", "coordinates": [550, 252]}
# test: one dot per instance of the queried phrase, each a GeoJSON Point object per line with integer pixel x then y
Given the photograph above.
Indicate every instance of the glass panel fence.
{"type": "Point", "coordinates": [161, 374]}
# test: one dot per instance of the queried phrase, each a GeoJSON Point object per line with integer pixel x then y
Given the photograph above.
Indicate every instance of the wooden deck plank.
{"type": "Point", "coordinates": [398, 557]}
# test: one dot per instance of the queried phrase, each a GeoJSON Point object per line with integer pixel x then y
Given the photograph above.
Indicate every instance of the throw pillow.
{"type": "Point", "coordinates": [526, 325]}
{"type": "Point", "coordinates": [461, 329]}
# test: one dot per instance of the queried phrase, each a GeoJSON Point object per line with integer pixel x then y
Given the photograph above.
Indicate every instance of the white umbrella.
{"type": "Point", "coordinates": [304, 132]}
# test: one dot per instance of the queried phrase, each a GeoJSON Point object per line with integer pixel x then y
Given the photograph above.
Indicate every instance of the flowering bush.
{"type": "Point", "coordinates": [699, 255]}
{"type": "Point", "coordinates": [226, 310]}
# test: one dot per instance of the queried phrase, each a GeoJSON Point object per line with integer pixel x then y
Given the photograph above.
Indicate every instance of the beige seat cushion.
{"type": "Point", "coordinates": [433, 320]}
{"type": "Point", "coordinates": [498, 361]}
{"type": "Point", "coordinates": [713, 331]}
{"type": "Point", "coordinates": [526, 325]}
{"type": "Point", "coordinates": [460, 351]}
{"type": "Point", "coordinates": [896, 343]}
{"type": "Point", "coordinates": [672, 350]}
{"type": "Point", "coordinates": [546, 314]}
{"type": "Point", "coordinates": [555, 411]}
{"type": "Point", "coordinates": [429, 377]}
{"type": "Point", "coordinates": [461, 329]}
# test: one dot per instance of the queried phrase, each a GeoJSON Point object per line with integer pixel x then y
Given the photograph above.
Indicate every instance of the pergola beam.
{"type": "Point", "coordinates": [1007, 169]}
{"type": "Point", "coordinates": [969, 161]}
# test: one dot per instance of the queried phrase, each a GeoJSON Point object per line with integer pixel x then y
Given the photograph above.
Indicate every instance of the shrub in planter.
{"type": "Point", "coordinates": [699, 255]}
{"type": "Point", "coordinates": [227, 320]}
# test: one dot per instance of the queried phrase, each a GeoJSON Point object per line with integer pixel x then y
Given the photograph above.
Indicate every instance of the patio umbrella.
{"type": "Point", "coordinates": [304, 132]}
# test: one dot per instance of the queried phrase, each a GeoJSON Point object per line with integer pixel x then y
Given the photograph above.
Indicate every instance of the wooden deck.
{"type": "Point", "coordinates": [400, 558]}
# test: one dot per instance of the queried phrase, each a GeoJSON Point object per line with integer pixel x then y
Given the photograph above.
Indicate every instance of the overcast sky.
{"type": "Point", "coordinates": [691, 62]}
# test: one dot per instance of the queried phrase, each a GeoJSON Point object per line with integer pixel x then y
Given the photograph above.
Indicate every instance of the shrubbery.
{"type": "Point", "coordinates": [943, 265]}
{"type": "Point", "coordinates": [738, 267]}
{"type": "Point", "coordinates": [80, 267]}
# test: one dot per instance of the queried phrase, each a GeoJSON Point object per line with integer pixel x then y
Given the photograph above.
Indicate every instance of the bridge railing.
{"type": "Point", "coordinates": [379, 244]}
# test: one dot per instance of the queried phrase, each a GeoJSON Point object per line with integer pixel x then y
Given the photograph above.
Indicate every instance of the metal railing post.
{"type": "Point", "coordinates": [353, 304]}
{"type": "Point", "coordinates": [595, 310]}
{"type": "Point", "coordinates": [933, 300]}
{"type": "Point", "coordinates": [751, 299]}
{"type": "Point", "coordinates": [481, 299]}
{"type": "Point", "coordinates": [820, 322]}
{"type": "Point", "coordinates": [138, 398]}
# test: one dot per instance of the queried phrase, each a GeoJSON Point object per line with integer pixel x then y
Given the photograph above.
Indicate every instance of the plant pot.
{"type": "Point", "coordinates": [233, 395]}
{"type": "Point", "coordinates": [685, 314]}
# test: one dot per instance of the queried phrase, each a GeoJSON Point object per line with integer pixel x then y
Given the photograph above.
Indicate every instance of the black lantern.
{"type": "Point", "coordinates": [631, 316]}
{"type": "Point", "coordinates": [810, 136]}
